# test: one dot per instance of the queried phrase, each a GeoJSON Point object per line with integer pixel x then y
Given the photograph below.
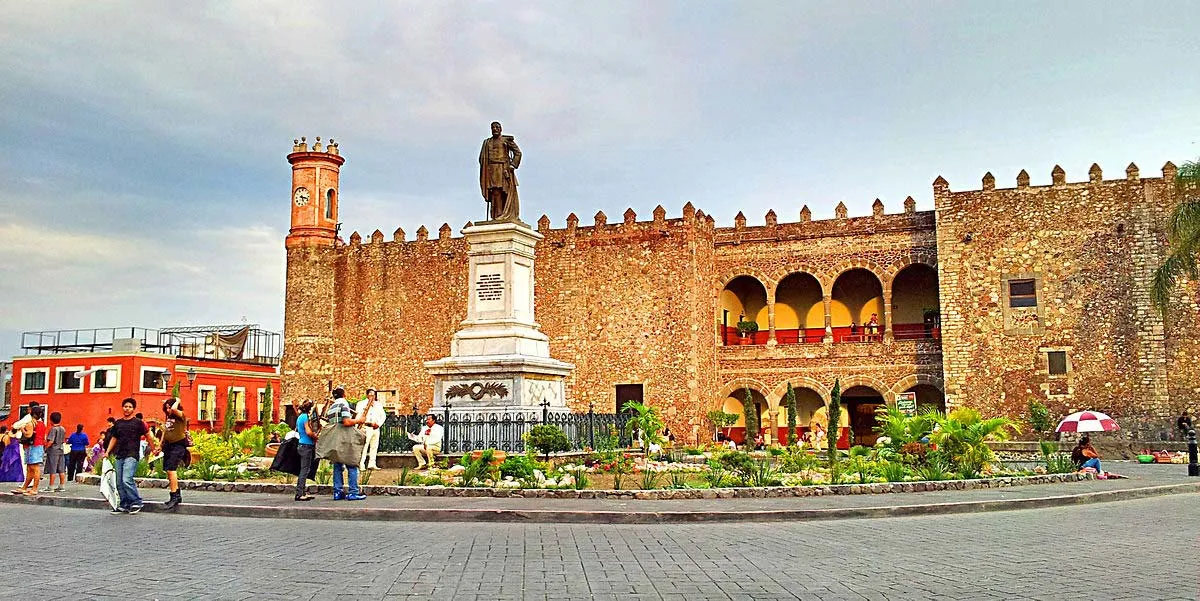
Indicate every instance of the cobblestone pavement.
{"type": "Point", "coordinates": [1141, 549]}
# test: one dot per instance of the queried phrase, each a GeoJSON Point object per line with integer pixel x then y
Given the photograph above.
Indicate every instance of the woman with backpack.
{"type": "Point", "coordinates": [33, 438]}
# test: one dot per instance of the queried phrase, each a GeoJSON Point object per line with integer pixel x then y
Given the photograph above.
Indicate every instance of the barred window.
{"type": "Point", "coordinates": [1022, 293]}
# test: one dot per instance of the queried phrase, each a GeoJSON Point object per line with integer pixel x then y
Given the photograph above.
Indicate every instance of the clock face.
{"type": "Point", "coordinates": [301, 196]}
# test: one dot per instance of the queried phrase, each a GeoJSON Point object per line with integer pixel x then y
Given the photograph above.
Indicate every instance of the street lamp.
{"type": "Point", "coordinates": [191, 376]}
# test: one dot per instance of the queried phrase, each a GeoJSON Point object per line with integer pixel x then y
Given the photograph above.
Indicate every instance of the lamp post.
{"type": "Point", "coordinates": [1193, 468]}
{"type": "Point", "coordinates": [191, 376]}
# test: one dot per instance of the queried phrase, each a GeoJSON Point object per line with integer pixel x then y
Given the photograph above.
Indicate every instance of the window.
{"type": "Point", "coordinates": [1022, 293]}
{"type": "Point", "coordinates": [626, 393]}
{"type": "Point", "coordinates": [1057, 362]}
{"type": "Point", "coordinates": [239, 404]}
{"type": "Point", "coordinates": [330, 195]}
{"type": "Point", "coordinates": [106, 378]}
{"type": "Point", "coordinates": [262, 402]}
{"type": "Point", "coordinates": [154, 379]}
{"type": "Point", "coordinates": [206, 411]}
{"type": "Point", "coordinates": [33, 381]}
{"type": "Point", "coordinates": [68, 379]}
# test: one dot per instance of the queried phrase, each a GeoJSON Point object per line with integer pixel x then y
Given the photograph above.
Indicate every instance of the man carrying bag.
{"type": "Point", "coordinates": [342, 444]}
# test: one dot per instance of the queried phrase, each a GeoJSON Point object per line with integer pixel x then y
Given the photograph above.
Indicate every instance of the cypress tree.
{"type": "Point", "coordinates": [752, 426]}
{"type": "Point", "coordinates": [833, 431]}
{"type": "Point", "coordinates": [791, 409]}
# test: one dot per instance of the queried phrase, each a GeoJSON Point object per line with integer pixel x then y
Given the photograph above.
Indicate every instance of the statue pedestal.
{"type": "Point", "coordinates": [499, 359]}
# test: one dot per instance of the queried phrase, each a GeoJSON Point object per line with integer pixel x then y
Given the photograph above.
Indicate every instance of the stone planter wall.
{"type": "Point", "coordinates": [660, 494]}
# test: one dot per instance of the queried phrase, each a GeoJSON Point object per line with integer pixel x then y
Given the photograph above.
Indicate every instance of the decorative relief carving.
{"type": "Point", "coordinates": [477, 390]}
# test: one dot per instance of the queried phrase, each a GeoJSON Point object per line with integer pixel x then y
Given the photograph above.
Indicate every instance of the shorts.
{"type": "Point", "coordinates": [175, 454]}
{"type": "Point", "coordinates": [56, 462]}
{"type": "Point", "coordinates": [35, 455]}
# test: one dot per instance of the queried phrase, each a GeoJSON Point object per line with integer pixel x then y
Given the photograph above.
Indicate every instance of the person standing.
{"type": "Point", "coordinates": [339, 412]}
{"type": "Point", "coordinates": [56, 461]}
{"type": "Point", "coordinates": [306, 448]}
{"type": "Point", "coordinates": [429, 442]}
{"type": "Point", "coordinates": [33, 437]}
{"type": "Point", "coordinates": [124, 446]}
{"type": "Point", "coordinates": [79, 447]}
{"type": "Point", "coordinates": [373, 415]}
{"type": "Point", "coordinates": [174, 448]}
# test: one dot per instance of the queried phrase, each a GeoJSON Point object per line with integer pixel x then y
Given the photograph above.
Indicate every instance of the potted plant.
{"type": "Point", "coordinates": [933, 322]}
{"type": "Point", "coordinates": [746, 329]}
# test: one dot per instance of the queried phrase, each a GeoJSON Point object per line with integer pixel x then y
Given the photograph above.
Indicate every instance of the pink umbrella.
{"type": "Point", "coordinates": [1087, 421]}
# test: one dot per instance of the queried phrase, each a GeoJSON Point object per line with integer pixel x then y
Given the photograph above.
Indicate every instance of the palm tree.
{"type": "Point", "coordinates": [1183, 237]}
{"type": "Point", "coordinates": [963, 433]}
{"type": "Point", "coordinates": [645, 419]}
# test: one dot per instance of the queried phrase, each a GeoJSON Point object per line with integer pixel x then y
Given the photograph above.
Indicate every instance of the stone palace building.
{"type": "Point", "coordinates": [998, 297]}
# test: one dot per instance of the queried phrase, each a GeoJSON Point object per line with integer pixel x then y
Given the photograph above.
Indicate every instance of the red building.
{"type": "Point", "coordinates": [85, 374]}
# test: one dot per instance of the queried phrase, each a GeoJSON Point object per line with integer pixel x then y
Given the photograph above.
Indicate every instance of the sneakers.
{"type": "Point", "coordinates": [60, 489]}
{"type": "Point", "coordinates": [119, 511]}
{"type": "Point", "coordinates": [304, 498]}
{"type": "Point", "coordinates": [339, 495]}
{"type": "Point", "coordinates": [355, 497]}
{"type": "Point", "coordinates": [134, 509]}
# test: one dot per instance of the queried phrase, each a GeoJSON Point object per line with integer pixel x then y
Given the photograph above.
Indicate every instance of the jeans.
{"type": "Point", "coordinates": [352, 470]}
{"type": "Point", "coordinates": [1092, 463]}
{"type": "Point", "coordinates": [126, 467]}
{"type": "Point", "coordinates": [306, 452]}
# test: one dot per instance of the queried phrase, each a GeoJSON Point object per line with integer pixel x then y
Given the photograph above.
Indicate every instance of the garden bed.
{"type": "Point", "coordinates": [656, 494]}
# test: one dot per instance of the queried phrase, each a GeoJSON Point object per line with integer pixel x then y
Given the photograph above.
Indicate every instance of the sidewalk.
{"type": "Point", "coordinates": [1144, 481]}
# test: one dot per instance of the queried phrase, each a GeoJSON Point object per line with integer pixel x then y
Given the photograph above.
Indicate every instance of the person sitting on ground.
{"type": "Point", "coordinates": [1184, 423]}
{"type": "Point", "coordinates": [428, 442]}
{"type": "Point", "coordinates": [1084, 455]}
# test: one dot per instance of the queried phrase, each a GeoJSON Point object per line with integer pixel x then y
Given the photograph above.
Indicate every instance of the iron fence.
{"type": "Point", "coordinates": [505, 430]}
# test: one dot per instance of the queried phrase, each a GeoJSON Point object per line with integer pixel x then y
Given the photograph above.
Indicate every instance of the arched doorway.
{"type": "Point", "coordinates": [744, 297]}
{"type": "Point", "coordinates": [861, 402]}
{"type": "Point", "coordinates": [915, 304]}
{"type": "Point", "coordinates": [733, 404]}
{"type": "Point", "coordinates": [856, 299]}
{"type": "Point", "coordinates": [799, 310]}
{"type": "Point", "coordinates": [808, 401]}
{"type": "Point", "coordinates": [929, 396]}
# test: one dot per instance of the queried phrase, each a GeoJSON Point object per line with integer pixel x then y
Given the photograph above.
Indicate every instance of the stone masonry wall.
{"type": "Point", "coordinates": [1091, 248]}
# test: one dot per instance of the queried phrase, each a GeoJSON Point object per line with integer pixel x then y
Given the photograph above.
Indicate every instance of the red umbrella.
{"type": "Point", "coordinates": [1087, 421]}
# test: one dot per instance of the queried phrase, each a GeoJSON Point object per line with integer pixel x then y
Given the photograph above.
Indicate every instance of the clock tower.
{"type": "Point", "coordinates": [309, 293]}
{"type": "Point", "coordinates": [314, 193]}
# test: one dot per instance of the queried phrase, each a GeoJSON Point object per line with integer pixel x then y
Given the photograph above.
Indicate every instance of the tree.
{"type": "Point", "coordinates": [750, 409]}
{"type": "Point", "coordinates": [1183, 238]}
{"type": "Point", "coordinates": [721, 420]}
{"type": "Point", "coordinates": [230, 415]}
{"type": "Point", "coordinates": [267, 411]}
{"type": "Point", "coordinates": [835, 418]}
{"type": "Point", "coordinates": [963, 435]}
{"type": "Point", "coordinates": [644, 419]}
{"type": "Point", "coordinates": [175, 390]}
{"type": "Point", "coordinates": [791, 409]}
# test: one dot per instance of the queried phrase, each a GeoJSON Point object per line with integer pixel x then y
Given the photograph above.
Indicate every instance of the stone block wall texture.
{"type": "Point", "coordinates": [636, 302]}
{"type": "Point", "coordinates": [1092, 249]}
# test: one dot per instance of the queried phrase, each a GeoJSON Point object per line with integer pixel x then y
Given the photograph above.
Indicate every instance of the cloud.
{"type": "Point", "coordinates": [66, 279]}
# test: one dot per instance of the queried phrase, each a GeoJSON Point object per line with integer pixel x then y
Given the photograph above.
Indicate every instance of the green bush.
{"type": "Point", "coordinates": [650, 479]}
{"type": "Point", "coordinates": [1039, 418]}
{"type": "Point", "coordinates": [547, 439]}
{"type": "Point", "coordinates": [519, 467]}
{"type": "Point", "coordinates": [740, 464]}
{"type": "Point", "coordinates": [478, 470]}
{"type": "Point", "coordinates": [893, 471]}
{"type": "Point", "coordinates": [796, 460]}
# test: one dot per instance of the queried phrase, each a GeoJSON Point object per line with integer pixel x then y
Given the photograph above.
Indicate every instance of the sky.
{"type": "Point", "coordinates": [143, 143]}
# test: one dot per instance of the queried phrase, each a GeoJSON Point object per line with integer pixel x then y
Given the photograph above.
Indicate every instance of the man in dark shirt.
{"type": "Point", "coordinates": [1184, 423]}
{"type": "Point", "coordinates": [124, 446]}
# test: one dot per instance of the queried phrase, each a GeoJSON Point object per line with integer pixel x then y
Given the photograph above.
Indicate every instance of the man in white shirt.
{"type": "Point", "coordinates": [428, 442]}
{"type": "Point", "coordinates": [373, 418]}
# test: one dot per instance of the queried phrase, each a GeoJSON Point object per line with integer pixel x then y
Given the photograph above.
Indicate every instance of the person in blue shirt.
{"type": "Point", "coordinates": [306, 449]}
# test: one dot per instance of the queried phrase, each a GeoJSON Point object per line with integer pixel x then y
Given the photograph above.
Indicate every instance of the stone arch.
{"type": "Point", "coordinates": [914, 380]}
{"type": "Point", "coordinates": [767, 283]}
{"type": "Point", "coordinates": [799, 382]}
{"type": "Point", "coordinates": [830, 276]}
{"type": "Point", "coordinates": [873, 383]}
{"type": "Point", "coordinates": [743, 294]}
{"type": "Point", "coordinates": [856, 293]}
{"type": "Point", "coordinates": [733, 385]}
{"type": "Point", "coordinates": [889, 273]}
{"type": "Point", "coordinates": [799, 306]}
{"type": "Point", "coordinates": [793, 268]}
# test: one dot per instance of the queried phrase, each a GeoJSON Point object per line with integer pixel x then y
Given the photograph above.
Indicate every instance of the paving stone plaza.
{"type": "Point", "coordinates": [1140, 549]}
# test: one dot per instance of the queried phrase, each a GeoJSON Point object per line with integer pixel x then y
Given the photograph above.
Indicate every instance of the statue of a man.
{"type": "Point", "coordinates": [498, 162]}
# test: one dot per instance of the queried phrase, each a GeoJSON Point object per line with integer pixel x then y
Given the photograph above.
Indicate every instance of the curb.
{"type": "Point", "coordinates": [544, 516]}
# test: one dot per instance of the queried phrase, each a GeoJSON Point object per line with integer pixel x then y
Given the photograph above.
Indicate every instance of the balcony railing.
{"type": "Point", "coordinates": [840, 334]}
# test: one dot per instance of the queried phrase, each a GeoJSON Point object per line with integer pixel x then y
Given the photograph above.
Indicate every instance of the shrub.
{"type": "Point", "coordinates": [1039, 418]}
{"type": "Point", "coordinates": [477, 470]}
{"type": "Point", "coordinates": [795, 461]}
{"type": "Point", "coordinates": [791, 420]}
{"type": "Point", "coordinates": [716, 474]}
{"type": "Point", "coordinates": [936, 467]}
{"type": "Point", "coordinates": [740, 464]}
{"type": "Point", "coordinates": [650, 479]}
{"type": "Point", "coordinates": [678, 479]}
{"type": "Point", "coordinates": [746, 327]}
{"type": "Point", "coordinates": [893, 471]}
{"type": "Point", "coordinates": [519, 467]}
{"type": "Point", "coordinates": [547, 439]}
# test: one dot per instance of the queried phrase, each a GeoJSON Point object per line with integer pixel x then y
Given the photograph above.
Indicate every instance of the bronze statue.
{"type": "Point", "coordinates": [498, 162]}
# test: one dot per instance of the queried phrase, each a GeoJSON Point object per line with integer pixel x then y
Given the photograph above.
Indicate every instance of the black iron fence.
{"type": "Point", "coordinates": [505, 430]}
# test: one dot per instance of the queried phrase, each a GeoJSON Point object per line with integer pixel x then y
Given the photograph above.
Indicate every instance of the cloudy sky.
{"type": "Point", "coordinates": [143, 143]}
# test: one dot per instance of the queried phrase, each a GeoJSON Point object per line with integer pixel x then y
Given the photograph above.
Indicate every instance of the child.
{"type": "Point", "coordinates": [56, 461]}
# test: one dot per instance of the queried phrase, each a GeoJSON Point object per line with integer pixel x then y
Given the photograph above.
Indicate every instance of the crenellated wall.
{"type": "Point", "coordinates": [1091, 248]}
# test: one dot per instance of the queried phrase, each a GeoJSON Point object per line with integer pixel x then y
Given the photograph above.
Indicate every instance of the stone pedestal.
{"type": "Point", "coordinates": [499, 358]}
